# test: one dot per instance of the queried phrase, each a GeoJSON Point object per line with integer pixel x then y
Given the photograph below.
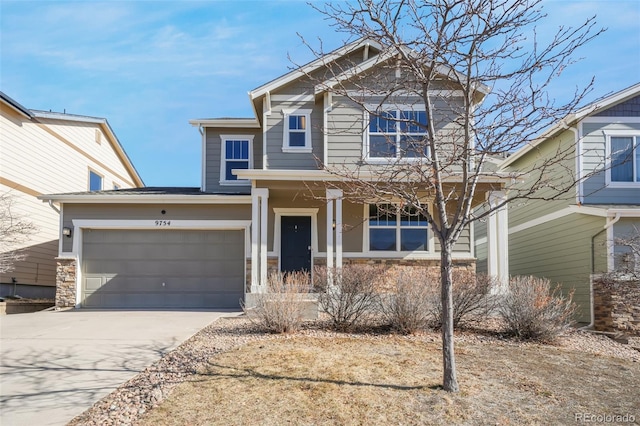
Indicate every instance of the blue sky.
{"type": "Point", "coordinates": [150, 66]}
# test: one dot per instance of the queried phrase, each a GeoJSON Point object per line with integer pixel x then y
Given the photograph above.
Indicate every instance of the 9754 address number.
{"type": "Point", "coordinates": [163, 223]}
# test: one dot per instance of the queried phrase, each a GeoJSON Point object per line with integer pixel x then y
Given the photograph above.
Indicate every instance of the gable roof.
{"type": "Point", "coordinates": [15, 105]}
{"type": "Point", "coordinates": [312, 66]}
{"type": "Point", "coordinates": [593, 108]}
{"type": "Point", "coordinates": [102, 122]}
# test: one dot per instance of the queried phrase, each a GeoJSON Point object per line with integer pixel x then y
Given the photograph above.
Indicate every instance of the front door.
{"type": "Point", "coordinates": [295, 252]}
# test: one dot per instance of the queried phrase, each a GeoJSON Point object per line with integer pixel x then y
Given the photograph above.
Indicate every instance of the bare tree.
{"type": "Point", "coordinates": [628, 259]}
{"type": "Point", "coordinates": [482, 62]}
{"type": "Point", "coordinates": [14, 231]}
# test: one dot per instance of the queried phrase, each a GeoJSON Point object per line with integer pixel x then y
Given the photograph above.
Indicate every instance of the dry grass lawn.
{"type": "Point", "coordinates": [394, 380]}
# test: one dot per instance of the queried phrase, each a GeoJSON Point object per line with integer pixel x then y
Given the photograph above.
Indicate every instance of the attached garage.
{"type": "Point", "coordinates": [160, 268]}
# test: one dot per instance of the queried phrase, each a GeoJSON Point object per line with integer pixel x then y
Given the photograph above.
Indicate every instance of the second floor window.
{"type": "Point", "coordinates": [397, 134]}
{"type": "Point", "coordinates": [625, 159]}
{"type": "Point", "coordinates": [95, 181]}
{"type": "Point", "coordinates": [297, 130]}
{"type": "Point", "coordinates": [236, 154]}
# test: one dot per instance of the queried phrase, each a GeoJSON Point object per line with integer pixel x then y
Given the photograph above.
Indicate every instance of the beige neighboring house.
{"type": "Point", "coordinates": [48, 152]}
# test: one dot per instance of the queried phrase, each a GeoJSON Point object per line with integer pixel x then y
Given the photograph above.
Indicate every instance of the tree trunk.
{"type": "Point", "coordinates": [450, 380]}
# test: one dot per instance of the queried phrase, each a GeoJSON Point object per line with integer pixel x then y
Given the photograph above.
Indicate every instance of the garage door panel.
{"type": "Point", "coordinates": [200, 269]}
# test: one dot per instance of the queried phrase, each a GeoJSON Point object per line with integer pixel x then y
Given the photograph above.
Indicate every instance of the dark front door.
{"type": "Point", "coordinates": [295, 252]}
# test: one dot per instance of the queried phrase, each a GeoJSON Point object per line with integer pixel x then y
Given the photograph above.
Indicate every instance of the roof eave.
{"type": "Point", "coordinates": [146, 199]}
{"type": "Point", "coordinates": [245, 123]}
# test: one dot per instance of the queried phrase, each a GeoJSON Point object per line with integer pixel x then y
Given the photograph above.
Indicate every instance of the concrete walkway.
{"type": "Point", "coordinates": [55, 365]}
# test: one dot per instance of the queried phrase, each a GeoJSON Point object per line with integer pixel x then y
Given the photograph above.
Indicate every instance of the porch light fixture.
{"type": "Point", "coordinates": [66, 232]}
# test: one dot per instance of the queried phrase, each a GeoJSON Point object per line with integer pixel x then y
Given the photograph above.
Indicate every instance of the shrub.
{"type": "Point", "coordinates": [532, 310]}
{"type": "Point", "coordinates": [280, 309]}
{"type": "Point", "coordinates": [409, 308]}
{"type": "Point", "coordinates": [348, 295]}
{"type": "Point", "coordinates": [472, 300]}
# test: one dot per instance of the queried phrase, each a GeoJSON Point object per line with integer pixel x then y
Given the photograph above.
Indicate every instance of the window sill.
{"type": "Point", "coordinates": [624, 185]}
{"type": "Point", "coordinates": [394, 160]}
{"type": "Point", "coordinates": [301, 150]}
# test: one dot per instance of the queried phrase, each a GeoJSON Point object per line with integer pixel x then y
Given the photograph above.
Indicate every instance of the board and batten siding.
{"type": "Point", "coordinates": [47, 156]}
{"type": "Point", "coordinates": [150, 212]}
{"type": "Point", "coordinates": [561, 251]}
{"type": "Point", "coordinates": [213, 159]}
{"type": "Point", "coordinates": [594, 160]}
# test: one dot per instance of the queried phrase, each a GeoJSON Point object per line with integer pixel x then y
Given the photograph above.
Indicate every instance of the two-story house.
{"type": "Point", "coordinates": [568, 239]}
{"type": "Point", "coordinates": [268, 200]}
{"type": "Point", "coordinates": [47, 152]}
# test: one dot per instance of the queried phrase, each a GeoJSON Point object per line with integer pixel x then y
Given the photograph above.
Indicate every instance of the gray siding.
{"type": "Point", "coordinates": [213, 151]}
{"type": "Point", "coordinates": [595, 189]}
{"type": "Point", "coordinates": [346, 127]}
{"type": "Point", "coordinates": [150, 212]}
{"type": "Point", "coordinates": [629, 108]}
{"type": "Point", "coordinates": [276, 158]}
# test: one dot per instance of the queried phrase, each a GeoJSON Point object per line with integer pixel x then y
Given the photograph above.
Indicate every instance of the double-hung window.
{"type": "Point", "coordinates": [397, 133]}
{"type": "Point", "coordinates": [625, 159]}
{"type": "Point", "coordinates": [236, 154]}
{"type": "Point", "coordinates": [397, 229]}
{"type": "Point", "coordinates": [297, 130]}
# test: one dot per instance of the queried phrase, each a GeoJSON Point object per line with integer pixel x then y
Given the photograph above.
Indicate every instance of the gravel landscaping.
{"type": "Point", "coordinates": [148, 389]}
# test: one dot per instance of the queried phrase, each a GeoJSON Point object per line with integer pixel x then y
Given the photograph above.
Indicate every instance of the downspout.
{"type": "Point", "coordinates": [609, 224]}
{"type": "Point", "coordinates": [57, 210]}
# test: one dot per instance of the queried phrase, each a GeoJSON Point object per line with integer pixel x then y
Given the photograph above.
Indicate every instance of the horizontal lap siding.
{"type": "Point", "coordinates": [213, 152]}
{"type": "Point", "coordinates": [522, 211]}
{"type": "Point", "coordinates": [559, 250]}
{"type": "Point", "coordinates": [594, 188]}
{"type": "Point", "coordinates": [276, 158]}
{"type": "Point", "coordinates": [43, 162]}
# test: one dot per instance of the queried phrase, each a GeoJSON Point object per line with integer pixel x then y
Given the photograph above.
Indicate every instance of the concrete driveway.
{"type": "Point", "coordinates": [55, 365]}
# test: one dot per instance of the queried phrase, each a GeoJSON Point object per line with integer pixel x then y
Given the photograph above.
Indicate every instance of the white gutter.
{"type": "Point", "coordinates": [148, 199]}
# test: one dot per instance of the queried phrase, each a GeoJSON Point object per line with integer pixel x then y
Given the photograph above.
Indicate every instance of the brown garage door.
{"type": "Point", "coordinates": [162, 269]}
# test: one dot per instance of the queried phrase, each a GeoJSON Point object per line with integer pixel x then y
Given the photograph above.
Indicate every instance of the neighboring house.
{"type": "Point", "coordinates": [43, 153]}
{"type": "Point", "coordinates": [263, 204]}
{"type": "Point", "coordinates": [568, 239]}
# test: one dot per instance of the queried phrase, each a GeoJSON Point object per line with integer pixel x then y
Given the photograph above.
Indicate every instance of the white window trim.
{"type": "Point", "coordinates": [223, 160]}
{"type": "Point", "coordinates": [621, 133]}
{"type": "Point", "coordinates": [307, 148]}
{"type": "Point", "coordinates": [366, 134]}
{"type": "Point", "coordinates": [398, 227]}
{"type": "Point", "coordinates": [277, 229]}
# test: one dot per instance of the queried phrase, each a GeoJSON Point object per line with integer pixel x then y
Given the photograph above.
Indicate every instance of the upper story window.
{"type": "Point", "coordinates": [297, 130]}
{"type": "Point", "coordinates": [395, 134]}
{"type": "Point", "coordinates": [95, 181]}
{"type": "Point", "coordinates": [236, 154]}
{"type": "Point", "coordinates": [394, 229]}
{"type": "Point", "coordinates": [625, 159]}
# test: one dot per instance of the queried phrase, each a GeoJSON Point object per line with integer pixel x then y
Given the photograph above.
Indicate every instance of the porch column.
{"type": "Point", "coordinates": [264, 225]}
{"type": "Point", "coordinates": [259, 218]}
{"type": "Point", "coordinates": [498, 242]}
{"type": "Point", "coordinates": [255, 225]}
{"type": "Point", "coordinates": [334, 194]}
{"type": "Point", "coordinates": [329, 233]}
